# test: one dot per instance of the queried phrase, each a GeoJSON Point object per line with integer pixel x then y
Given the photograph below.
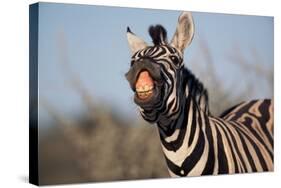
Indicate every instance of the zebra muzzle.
{"type": "Point", "coordinates": [146, 81]}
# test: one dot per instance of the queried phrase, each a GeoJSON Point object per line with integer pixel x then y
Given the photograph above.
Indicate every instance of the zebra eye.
{"type": "Point", "coordinates": [175, 59]}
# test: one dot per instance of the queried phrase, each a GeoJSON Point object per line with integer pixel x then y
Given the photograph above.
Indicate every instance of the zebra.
{"type": "Point", "coordinates": [194, 142]}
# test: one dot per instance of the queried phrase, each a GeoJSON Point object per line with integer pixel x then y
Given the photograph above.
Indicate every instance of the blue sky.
{"type": "Point", "coordinates": [97, 52]}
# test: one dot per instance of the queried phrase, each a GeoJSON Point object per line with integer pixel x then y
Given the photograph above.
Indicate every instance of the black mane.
{"type": "Point", "coordinates": [158, 34]}
{"type": "Point", "coordinates": [197, 90]}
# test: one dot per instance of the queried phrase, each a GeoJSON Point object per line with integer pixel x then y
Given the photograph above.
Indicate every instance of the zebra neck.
{"type": "Point", "coordinates": [193, 103]}
{"type": "Point", "coordinates": [182, 138]}
{"type": "Point", "coordinates": [175, 133]}
{"type": "Point", "coordinates": [183, 145]}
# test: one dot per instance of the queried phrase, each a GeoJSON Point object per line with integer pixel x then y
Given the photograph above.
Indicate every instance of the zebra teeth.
{"type": "Point", "coordinates": [144, 89]}
{"type": "Point", "coordinates": [144, 92]}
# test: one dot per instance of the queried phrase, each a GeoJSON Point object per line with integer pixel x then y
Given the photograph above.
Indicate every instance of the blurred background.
{"type": "Point", "coordinates": [89, 127]}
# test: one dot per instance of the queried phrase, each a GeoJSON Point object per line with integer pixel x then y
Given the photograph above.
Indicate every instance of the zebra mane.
{"type": "Point", "coordinates": [197, 90]}
{"type": "Point", "coordinates": [158, 34]}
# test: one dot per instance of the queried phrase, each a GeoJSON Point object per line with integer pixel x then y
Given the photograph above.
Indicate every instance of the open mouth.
{"type": "Point", "coordinates": [146, 81]}
{"type": "Point", "coordinates": [144, 85]}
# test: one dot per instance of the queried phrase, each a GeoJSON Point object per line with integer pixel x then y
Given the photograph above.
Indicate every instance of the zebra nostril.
{"type": "Point", "coordinates": [131, 78]}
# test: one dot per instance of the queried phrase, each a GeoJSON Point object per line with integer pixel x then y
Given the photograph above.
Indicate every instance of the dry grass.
{"type": "Point", "coordinates": [103, 148]}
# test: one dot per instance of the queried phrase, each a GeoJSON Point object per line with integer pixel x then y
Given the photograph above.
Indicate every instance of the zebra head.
{"type": "Point", "coordinates": [156, 71]}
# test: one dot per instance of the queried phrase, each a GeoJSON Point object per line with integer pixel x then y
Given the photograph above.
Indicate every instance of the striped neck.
{"type": "Point", "coordinates": [182, 138]}
{"type": "Point", "coordinates": [174, 133]}
{"type": "Point", "coordinates": [193, 100]}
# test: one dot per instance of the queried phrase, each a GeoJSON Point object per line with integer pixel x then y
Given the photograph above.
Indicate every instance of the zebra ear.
{"type": "Point", "coordinates": [184, 32]}
{"type": "Point", "coordinates": [135, 43]}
